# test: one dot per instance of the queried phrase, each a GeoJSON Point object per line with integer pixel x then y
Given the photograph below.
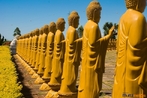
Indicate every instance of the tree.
{"type": "Point", "coordinates": [107, 27]}
{"type": "Point", "coordinates": [2, 39]}
{"type": "Point", "coordinates": [17, 32]}
{"type": "Point", "coordinates": [80, 31]}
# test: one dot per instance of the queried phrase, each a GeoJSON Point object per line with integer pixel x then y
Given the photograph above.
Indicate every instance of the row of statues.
{"type": "Point", "coordinates": [55, 60]}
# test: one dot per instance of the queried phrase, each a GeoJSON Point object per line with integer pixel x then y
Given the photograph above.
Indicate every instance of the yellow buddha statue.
{"type": "Point", "coordinates": [37, 60]}
{"type": "Point", "coordinates": [38, 50]}
{"type": "Point", "coordinates": [31, 47]}
{"type": "Point", "coordinates": [93, 54]}
{"type": "Point", "coordinates": [49, 56]}
{"type": "Point", "coordinates": [49, 51]}
{"type": "Point", "coordinates": [35, 40]}
{"type": "Point", "coordinates": [131, 65]}
{"type": "Point", "coordinates": [72, 58]}
{"type": "Point", "coordinates": [58, 57]}
{"type": "Point", "coordinates": [43, 50]}
{"type": "Point", "coordinates": [26, 47]}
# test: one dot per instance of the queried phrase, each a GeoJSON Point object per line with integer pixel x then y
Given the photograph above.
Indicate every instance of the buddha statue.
{"type": "Point", "coordinates": [72, 58]}
{"type": "Point", "coordinates": [36, 31]}
{"type": "Point", "coordinates": [131, 64]}
{"type": "Point", "coordinates": [38, 50]}
{"type": "Point", "coordinates": [43, 50]}
{"type": "Point", "coordinates": [58, 56]}
{"type": "Point", "coordinates": [26, 47]}
{"type": "Point", "coordinates": [32, 48]}
{"type": "Point", "coordinates": [34, 54]}
{"type": "Point", "coordinates": [37, 61]}
{"type": "Point", "coordinates": [49, 51]}
{"type": "Point", "coordinates": [49, 56]}
{"type": "Point", "coordinates": [93, 54]}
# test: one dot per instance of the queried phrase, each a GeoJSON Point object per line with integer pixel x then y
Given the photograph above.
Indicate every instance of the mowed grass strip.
{"type": "Point", "coordinates": [9, 87]}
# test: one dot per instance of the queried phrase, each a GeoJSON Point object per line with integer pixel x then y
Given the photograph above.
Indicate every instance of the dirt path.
{"type": "Point", "coordinates": [31, 90]}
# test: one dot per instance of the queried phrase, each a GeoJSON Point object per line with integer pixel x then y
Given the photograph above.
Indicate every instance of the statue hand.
{"type": "Point", "coordinates": [111, 30]}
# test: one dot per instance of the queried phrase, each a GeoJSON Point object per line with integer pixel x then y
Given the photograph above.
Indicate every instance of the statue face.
{"type": "Point", "coordinates": [62, 26]}
{"type": "Point", "coordinates": [97, 16]}
{"type": "Point", "coordinates": [76, 22]}
{"type": "Point", "coordinates": [143, 4]}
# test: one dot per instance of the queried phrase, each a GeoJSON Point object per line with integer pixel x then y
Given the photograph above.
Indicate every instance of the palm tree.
{"type": "Point", "coordinates": [17, 32]}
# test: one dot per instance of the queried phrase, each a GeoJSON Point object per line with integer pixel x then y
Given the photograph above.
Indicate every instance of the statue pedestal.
{"type": "Point", "coordinates": [69, 95]}
{"type": "Point", "coordinates": [52, 94]}
{"type": "Point", "coordinates": [46, 79]}
{"type": "Point", "coordinates": [44, 87]}
{"type": "Point", "coordinates": [39, 81]}
{"type": "Point", "coordinates": [54, 87]}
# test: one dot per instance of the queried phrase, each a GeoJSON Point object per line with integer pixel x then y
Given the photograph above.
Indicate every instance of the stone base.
{"type": "Point", "coordinates": [34, 76]}
{"type": "Point", "coordinates": [39, 81]}
{"type": "Point", "coordinates": [46, 79]}
{"type": "Point", "coordinates": [44, 87]}
{"type": "Point", "coordinates": [67, 95]}
{"type": "Point", "coordinates": [29, 69]}
{"type": "Point", "coordinates": [52, 94]}
{"type": "Point", "coordinates": [31, 72]}
{"type": "Point", "coordinates": [35, 69]}
{"type": "Point", "coordinates": [40, 74]}
{"type": "Point", "coordinates": [54, 87]}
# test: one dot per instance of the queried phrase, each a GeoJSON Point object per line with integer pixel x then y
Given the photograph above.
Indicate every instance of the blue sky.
{"type": "Point", "coordinates": [31, 14]}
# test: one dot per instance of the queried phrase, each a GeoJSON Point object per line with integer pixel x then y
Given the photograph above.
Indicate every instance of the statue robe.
{"type": "Point", "coordinates": [71, 62]}
{"type": "Point", "coordinates": [131, 65]}
{"type": "Point", "coordinates": [93, 60]}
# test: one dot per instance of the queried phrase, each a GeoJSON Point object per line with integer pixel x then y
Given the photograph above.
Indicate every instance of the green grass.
{"type": "Point", "coordinates": [9, 87]}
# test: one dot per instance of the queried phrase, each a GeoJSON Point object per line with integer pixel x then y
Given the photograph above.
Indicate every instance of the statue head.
{"type": "Point", "coordinates": [37, 32]}
{"type": "Point", "coordinates": [45, 29]}
{"type": "Point", "coordinates": [73, 19]}
{"type": "Point", "coordinates": [27, 35]}
{"type": "Point", "coordinates": [31, 34]}
{"type": "Point", "coordinates": [93, 11]}
{"type": "Point", "coordinates": [41, 30]}
{"type": "Point", "coordinates": [52, 27]}
{"type": "Point", "coordinates": [138, 5]}
{"type": "Point", "coordinates": [60, 24]}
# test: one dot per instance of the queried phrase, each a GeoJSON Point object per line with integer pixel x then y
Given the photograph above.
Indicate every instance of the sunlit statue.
{"type": "Point", "coordinates": [43, 50]}
{"type": "Point", "coordinates": [32, 48]}
{"type": "Point", "coordinates": [38, 50]}
{"type": "Point", "coordinates": [49, 56]}
{"type": "Point", "coordinates": [93, 54]}
{"type": "Point", "coordinates": [72, 58]}
{"type": "Point", "coordinates": [28, 47]}
{"type": "Point", "coordinates": [49, 51]}
{"type": "Point", "coordinates": [37, 61]}
{"type": "Point", "coordinates": [34, 54]}
{"type": "Point", "coordinates": [58, 57]}
{"type": "Point", "coordinates": [35, 40]}
{"type": "Point", "coordinates": [131, 65]}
